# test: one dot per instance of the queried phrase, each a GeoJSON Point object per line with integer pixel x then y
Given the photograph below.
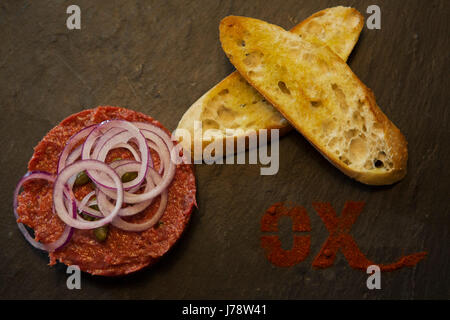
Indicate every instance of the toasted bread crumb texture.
{"type": "Point", "coordinates": [234, 104]}
{"type": "Point", "coordinates": [316, 91]}
{"type": "Point", "coordinates": [337, 27]}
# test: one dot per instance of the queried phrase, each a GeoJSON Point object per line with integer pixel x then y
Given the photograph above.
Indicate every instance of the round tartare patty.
{"type": "Point", "coordinates": [123, 252]}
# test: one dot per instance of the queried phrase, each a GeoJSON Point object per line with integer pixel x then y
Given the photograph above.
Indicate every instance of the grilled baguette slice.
{"type": "Point", "coordinates": [320, 96]}
{"type": "Point", "coordinates": [233, 103]}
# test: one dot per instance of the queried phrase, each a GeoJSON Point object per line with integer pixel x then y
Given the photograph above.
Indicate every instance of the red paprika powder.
{"type": "Point", "coordinates": [339, 238]}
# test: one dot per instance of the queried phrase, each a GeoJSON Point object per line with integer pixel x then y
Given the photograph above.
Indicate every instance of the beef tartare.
{"type": "Point", "coordinates": [102, 192]}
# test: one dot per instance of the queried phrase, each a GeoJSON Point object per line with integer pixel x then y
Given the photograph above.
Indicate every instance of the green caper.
{"type": "Point", "coordinates": [95, 207]}
{"type": "Point", "coordinates": [116, 159]}
{"type": "Point", "coordinates": [81, 179]}
{"type": "Point", "coordinates": [129, 176]}
{"type": "Point", "coordinates": [101, 233]}
{"type": "Point", "coordinates": [86, 216]}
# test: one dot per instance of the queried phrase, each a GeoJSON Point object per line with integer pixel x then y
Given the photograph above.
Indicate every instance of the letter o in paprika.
{"type": "Point", "coordinates": [272, 244]}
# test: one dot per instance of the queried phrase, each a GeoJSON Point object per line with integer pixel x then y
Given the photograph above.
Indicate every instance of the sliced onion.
{"type": "Point", "coordinates": [73, 141]}
{"type": "Point", "coordinates": [80, 204]}
{"type": "Point", "coordinates": [73, 156]}
{"type": "Point", "coordinates": [137, 227]}
{"type": "Point", "coordinates": [102, 199]}
{"type": "Point", "coordinates": [66, 174]}
{"type": "Point", "coordinates": [157, 130]}
{"type": "Point", "coordinates": [68, 231]}
{"type": "Point", "coordinates": [164, 155]}
{"type": "Point", "coordinates": [152, 145]}
{"type": "Point", "coordinates": [160, 133]}
{"type": "Point", "coordinates": [118, 163]}
{"type": "Point", "coordinates": [111, 192]}
{"type": "Point", "coordinates": [163, 146]}
{"type": "Point", "coordinates": [131, 132]}
{"type": "Point", "coordinates": [108, 136]}
{"type": "Point", "coordinates": [92, 203]}
{"type": "Point", "coordinates": [86, 199]}
{"type": "Point", "coordinates": [102, 151]}
{"type": "Point", "coordinates": [129, 148]}
{"type": "Point", "coordinates": [103, 138]}
{"type": "Point", "coordinates": [84, 206]}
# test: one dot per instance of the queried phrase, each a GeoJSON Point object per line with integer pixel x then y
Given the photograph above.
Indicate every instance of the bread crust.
{"type": "Point", "coordinates": [233, 27]}
{"type": "Point", "coordinates": [340, 36]}
{"type": "Point", "coordinates": [349, 35]}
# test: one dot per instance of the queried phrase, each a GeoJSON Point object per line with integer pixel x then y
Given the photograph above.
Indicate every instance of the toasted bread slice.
{"type": "Point", "coordinates": [233, 103]}
{"type": "Point", "coordinates": [320, 96]}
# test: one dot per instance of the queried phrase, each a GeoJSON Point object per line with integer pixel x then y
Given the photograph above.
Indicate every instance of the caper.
{"type": "Point", "coordinates": [116, 159]}
{"type": "Point", "coordinates": [95, 207]}
{"type": "Point", "coordinates": [81, 179]}
{"type": "Point", "coordinates": [129, 176]}
{"type": "Point", "coordinates": [101, 233]}
{"type": "Point", "coordinates": [87, 217]}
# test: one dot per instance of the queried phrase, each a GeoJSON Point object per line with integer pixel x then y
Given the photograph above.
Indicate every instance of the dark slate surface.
{"type": "Point", "coordinates": [158, 57]}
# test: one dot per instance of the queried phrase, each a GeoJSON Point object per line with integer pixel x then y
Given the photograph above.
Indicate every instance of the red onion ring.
{"type": "Point", "coordinates": [99, 140]}
{"type": "Point", "coordinates": [73, 156]}
{"type": "Point", "coordinates": [103, 202]}
{"type": "Point", "coordinates": [66, 174]}
{"type": "Point", "coordinates": [105, 137]}
{"type": "Point", "coordinates": [68, 231]}
{"type": "Point", "coordinates": [164, 155]}
{"type": "Point", "coordinates": [131, 131]}
{"type": "Point", "coordinates": [74, 140]}
{"type": "Point", "coordinates": [84, 204]}
{"type": "Point", "coordinates": [118, 163]}
{"type": "Point", "coordinates": [102, 151]}
{"type": "Point", "coordinates": [174, 149]}
{"type": "Point", "coordinates": [129, 148]}
{"type": "Point", "coordinates": [80, 205]}
{"type": "Point", "coordinates": [153, 147]}
{"type": "Point", "coordinates": [137, 227]}
{"type": "Point", "coordinates": [109, 135]}
{"type": "Point", "coordinates": [86, 199]}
